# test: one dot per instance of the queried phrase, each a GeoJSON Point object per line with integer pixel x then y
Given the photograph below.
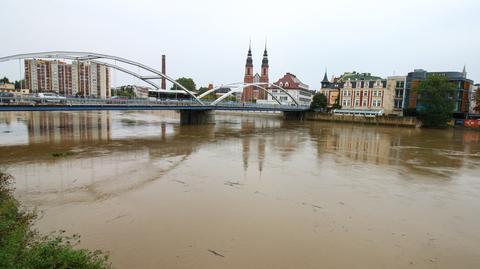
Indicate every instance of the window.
{"type": "Point", "coordinates": [357, 102]}
{"type": "Point", "coordinates": [364, 102]}
{"type": "Point", "coordinates": [398, 104]}
{"type": "Point", "coordinates": [365, 93]}
{"type": "Point", "coordinates": [398, 93]}
{"type": "Point", "coordinates": [357, 93]}
{"type": "Point", "coordinates": [377, 103]}
{"type": "Point", "coordinates": [281, 84]}
{"type": "Point", "coordinates": [286, 84]}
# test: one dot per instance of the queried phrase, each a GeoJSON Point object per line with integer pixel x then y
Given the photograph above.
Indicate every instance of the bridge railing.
{"type": "Point", "coordinates": [62, 101]}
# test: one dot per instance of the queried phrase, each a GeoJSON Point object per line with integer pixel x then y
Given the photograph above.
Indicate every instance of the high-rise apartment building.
{"type": "Point", "coordinates": [75, 79]}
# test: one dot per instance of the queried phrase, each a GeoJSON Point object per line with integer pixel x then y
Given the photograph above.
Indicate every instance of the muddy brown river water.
{"type": "Point", "coordinates": [249, 191]}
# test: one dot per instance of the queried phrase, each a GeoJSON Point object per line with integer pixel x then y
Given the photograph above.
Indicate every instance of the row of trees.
{"type": "Point", "coordinates": [19, 84]}
{"type": "Point", "coordinates": [436, 102]}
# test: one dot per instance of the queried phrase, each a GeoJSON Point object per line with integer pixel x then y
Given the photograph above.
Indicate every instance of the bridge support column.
{"type": "Point", "coordinates": [293, 115]}
{"type": "Point", "coordinates": [192, 117]}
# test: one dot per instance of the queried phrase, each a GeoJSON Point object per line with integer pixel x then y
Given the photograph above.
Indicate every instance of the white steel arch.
{"type": "Point", "coordinates": [237, 89]}
{"type": "Point", "coordinates": [257, 84]}
{"type": "Point", "coordinates": [95, 57]}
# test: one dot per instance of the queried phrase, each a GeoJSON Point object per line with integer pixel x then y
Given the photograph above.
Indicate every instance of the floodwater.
{"type": "Point", "coordinates": [249, 191]}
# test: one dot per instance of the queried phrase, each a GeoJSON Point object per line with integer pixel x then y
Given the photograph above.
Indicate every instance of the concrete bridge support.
{"type": "Point", "coordinates": [294, 115]}
{"type": "Point", "coordinates": [193, 117]}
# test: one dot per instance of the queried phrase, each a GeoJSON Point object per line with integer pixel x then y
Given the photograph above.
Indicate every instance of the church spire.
{"type": "Point", "coordinates": [249, 55]}
{"type": "Point", "coordinates": [265, 56]}
{"type": "Point", "coordinates": [464, 71]}
{"type": "Point", "coordinates": [325, 77]}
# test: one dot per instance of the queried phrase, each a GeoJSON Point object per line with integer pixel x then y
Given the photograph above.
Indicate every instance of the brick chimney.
{"type": "Point", "coordinates": [164, 82]}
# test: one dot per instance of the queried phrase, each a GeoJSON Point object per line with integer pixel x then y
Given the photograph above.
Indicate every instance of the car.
{"type": "Point", "coordinates": [7, 97]}
{"type": "Point", "coordinates": [47, 97]}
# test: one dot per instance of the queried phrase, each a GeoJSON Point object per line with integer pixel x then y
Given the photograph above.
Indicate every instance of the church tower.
{"type": "Point", "coordinates": [247, 94]}
{"type": "Point", "coordinates": [264, 73]}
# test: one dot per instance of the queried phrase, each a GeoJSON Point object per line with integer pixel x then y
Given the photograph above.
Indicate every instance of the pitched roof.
{"type": "Point", "coordinates": [292, 81]}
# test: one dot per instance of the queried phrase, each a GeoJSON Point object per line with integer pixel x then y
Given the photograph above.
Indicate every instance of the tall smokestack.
{"type": "Point", "coordinates": [164, 85]}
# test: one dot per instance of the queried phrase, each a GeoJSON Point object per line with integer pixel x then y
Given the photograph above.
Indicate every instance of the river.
{"type": "Point", "coordinates": [248, 191]}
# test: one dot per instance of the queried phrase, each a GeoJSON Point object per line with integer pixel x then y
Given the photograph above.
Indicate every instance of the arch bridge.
{"type": "Point", "coordinates": [152, 76]}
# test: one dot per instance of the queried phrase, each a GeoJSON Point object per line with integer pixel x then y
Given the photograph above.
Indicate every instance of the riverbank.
{"type": "Point", "coordinates": [411, 122]}
{"type": "Point", "coordinates": [23, 247]}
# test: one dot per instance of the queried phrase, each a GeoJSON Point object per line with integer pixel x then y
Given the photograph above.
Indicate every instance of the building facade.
{"type": "Point", "coordinates": [331, 89]}
{"type": "Point", "coordinates": [295, 88]}
{"type": "Point", "coordinates": [75, 79]}
{"type": "Point", "coordinates": [459, 79]}
{"type": "Point", "coordinates": [362, 91]}
{"type": "Point", "coordinates": [474, 91]}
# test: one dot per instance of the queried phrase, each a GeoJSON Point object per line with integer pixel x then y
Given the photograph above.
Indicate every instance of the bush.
{"type": "Point", "coordinates": [21, 247]}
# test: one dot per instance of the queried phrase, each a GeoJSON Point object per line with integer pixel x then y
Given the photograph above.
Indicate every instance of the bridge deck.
{"type": "Point", "coordinates": [144, 107]}
{"type": "Point", "coordinates": [78, 104]}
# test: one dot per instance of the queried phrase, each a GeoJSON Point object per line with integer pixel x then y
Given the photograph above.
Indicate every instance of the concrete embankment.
{"type": "Point", "coordinates": [250, 113]}
{"type": "Point", "coordinates": [392, 121]}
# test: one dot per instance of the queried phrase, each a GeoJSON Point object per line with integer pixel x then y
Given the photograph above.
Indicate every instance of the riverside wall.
{"type": "Point", "coordinates": [384, 120]}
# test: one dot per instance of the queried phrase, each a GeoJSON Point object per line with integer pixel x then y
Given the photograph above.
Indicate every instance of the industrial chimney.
{"type": "Point", "coordinates": [164, 85]}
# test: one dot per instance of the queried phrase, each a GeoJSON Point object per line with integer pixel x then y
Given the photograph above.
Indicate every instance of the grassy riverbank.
{"type": "Point", "coordinates": [21, 246]}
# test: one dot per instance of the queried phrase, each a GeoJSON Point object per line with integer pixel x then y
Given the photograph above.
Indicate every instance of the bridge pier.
{"type": "Point", "coordinates": [195, 117]}
{"type": "Point", "coordinates": [293, 115]}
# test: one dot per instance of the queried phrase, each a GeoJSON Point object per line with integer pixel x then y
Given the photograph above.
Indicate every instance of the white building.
{"type": "Point", "coordinates": [295, 88]}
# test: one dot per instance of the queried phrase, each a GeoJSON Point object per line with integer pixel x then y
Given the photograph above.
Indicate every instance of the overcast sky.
{"type": "Point", "coordinates": [208, 40]}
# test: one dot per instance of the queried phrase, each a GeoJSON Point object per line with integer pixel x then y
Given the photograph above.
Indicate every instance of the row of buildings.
{"type": "Point", "coordinates": [84, 79]}
{"type": "Point", "coordinates": [393, 95]}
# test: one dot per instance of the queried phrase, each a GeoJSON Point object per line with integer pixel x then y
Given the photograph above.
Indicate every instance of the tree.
{"type": "Point", "coordinates": [19, 84]}
{"type": "Point", "coordinates": [319, 102]}
{"type": "Point", "coordinates": [125, 91]}
{"type": "Point", "coordinates": [188, 83]}
{"type": "Point", "coordinates": [209, 96]}
{"type": "Point", "coordinates": [4, 80]}
{"type": "Point", "coordinates": [435, 101]}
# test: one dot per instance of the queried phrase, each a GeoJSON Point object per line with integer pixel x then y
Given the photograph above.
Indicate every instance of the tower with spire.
{"type": "Point", "coordinates": [264, 73]}
{"type": "Point", "coordinates": [325, 81]}
{"type": "Point", "coordinates": [248, 77]}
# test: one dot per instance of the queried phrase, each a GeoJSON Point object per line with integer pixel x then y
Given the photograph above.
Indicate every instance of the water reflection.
{"type": "Point", "coordinates": [114, 152]}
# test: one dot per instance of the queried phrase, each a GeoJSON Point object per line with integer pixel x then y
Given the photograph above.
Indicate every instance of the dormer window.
{"type": "Point", "coordinates": [281, 84]}
{"type": "Point", "coordinates": [286, 84]}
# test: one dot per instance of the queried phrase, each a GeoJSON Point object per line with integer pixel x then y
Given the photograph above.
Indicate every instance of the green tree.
{"type": "Point", "coordinates": [435, 101]}
{"type": "Point", "coordinates": [125, 91]}
{"type": "Point", "coordinates": [209, 96]}
{"type": "Point", "coordinates": [319, 102]}
{"type": "Point", "coordinates": [19, 84]}
{"type": "Point", "coordinates": [188, 83]}
{"type": "Point", "coordinates": [4, 80]}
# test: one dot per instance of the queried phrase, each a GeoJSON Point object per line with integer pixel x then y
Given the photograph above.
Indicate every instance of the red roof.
{"type": "Point", "coordinates": [290, 81]}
